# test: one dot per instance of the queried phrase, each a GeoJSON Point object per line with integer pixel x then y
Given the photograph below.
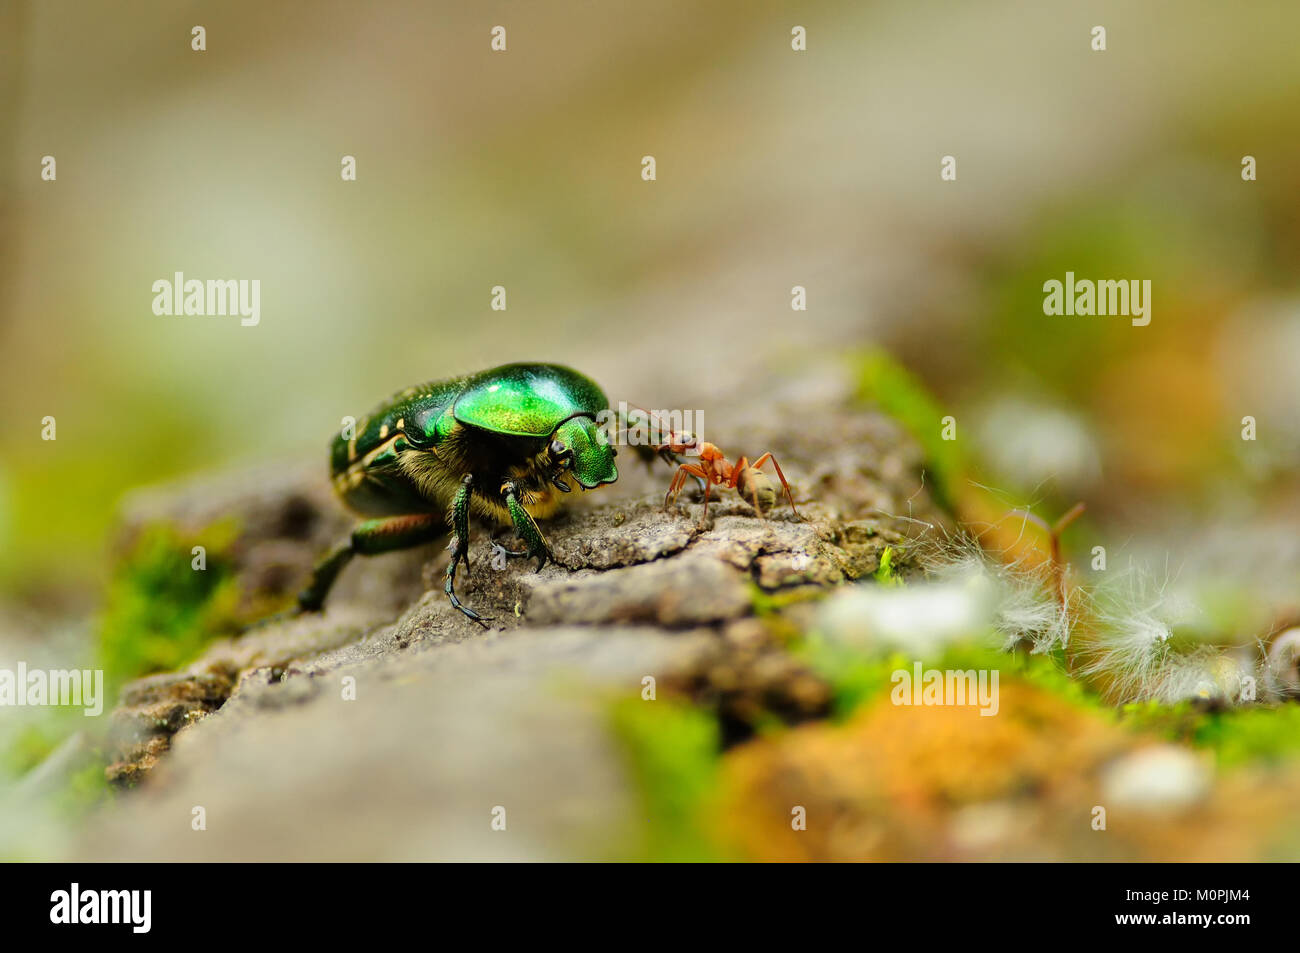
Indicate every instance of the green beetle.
{"type": "Point", "coordinates": [502, 445]}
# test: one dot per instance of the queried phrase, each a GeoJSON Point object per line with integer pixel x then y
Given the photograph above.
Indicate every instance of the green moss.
{"type": "Point", "coordinates": [30, 745]}
{"type": "Point", "coordinates": [1236, 736]}
{"type": "Point", "coordinates": [767, 604]}
{"type": "Point", "coordinates": [1175, 722]}
{"type": "Point", "coordinates": [855, 677]}
{"type": "Point", "coordinates": [884, 382]}
{"type": "Point", "coordinates": [885, 574]}
{"type": "Point", "coordinates": [674, 750]}
{"type": "Point", "coordinates": [858, 676]}
{"type": "Point", "coordinates": [160, 612]}
{"type": "Point", "coordinates": [1252, 734]}
{"type": "Point", "coordinates": [60, 502]}
{"type": "Point", "coordinates": [1049, 673]}
{"type": "Point", "coordinates": [85, 788]}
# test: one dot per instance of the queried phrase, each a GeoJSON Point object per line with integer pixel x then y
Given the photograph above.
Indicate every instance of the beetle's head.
{"type": "Point", "coordinates": [580, 447]}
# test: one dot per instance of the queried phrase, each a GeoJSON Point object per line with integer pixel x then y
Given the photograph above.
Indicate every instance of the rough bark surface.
{"type": "Point", "coordinates": [451, 721]}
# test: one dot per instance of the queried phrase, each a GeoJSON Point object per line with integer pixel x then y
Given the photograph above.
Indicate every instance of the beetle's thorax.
{"type": "Point", "coordinates": [490, 458]}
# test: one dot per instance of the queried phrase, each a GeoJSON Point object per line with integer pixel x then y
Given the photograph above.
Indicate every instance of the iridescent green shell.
{"type": "Point", "coordinates": [527, 400]}
{"type": "Point", "coordinates": [411, 412]}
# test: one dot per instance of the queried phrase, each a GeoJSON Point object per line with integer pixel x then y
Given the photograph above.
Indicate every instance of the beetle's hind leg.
{"type": "Point", "coordinates": [323, 575]}
{"type": "Point", "coordinates": [369, 539]}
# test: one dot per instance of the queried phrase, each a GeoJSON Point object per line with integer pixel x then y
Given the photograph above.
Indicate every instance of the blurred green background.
{"type": "Point", "coordinates": [522, 169]}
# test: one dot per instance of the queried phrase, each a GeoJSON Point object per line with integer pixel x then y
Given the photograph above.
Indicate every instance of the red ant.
{"type": "Point", "coordinates": [713, 469]}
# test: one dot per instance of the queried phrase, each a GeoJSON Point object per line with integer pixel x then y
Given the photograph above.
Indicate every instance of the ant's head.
{"type": "Point", "coordinates": [682, 441]}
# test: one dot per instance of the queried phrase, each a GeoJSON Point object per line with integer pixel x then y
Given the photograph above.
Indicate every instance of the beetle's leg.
{"type": "Point", "coordinates": [368, 539]}
{"type": "Point", "coordinates": [322, 577]}
{"type": "Point", "coordinates": [525, 528]}
{"type": "Point", "coordinates": [501, 555]}
{"type": "Point", "coordinates": [788, 495]}
{"type": "Point", "coordinates": [460, 547]}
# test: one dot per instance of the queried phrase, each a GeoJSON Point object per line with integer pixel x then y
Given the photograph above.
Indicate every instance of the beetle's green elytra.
{"type": "Point", "coordinates": [527, 400]}
{"type": "Point", "coordinates": [503, 445]}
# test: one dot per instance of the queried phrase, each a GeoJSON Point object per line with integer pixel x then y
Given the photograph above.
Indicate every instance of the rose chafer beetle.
{"type": "Point", "coordinates": [502, 445]}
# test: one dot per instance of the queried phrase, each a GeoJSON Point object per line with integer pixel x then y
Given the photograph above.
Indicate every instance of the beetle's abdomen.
{"type": "Point", "coordinates": [365, 467]}
{"type": "Point", "coordinates": [376, 485]}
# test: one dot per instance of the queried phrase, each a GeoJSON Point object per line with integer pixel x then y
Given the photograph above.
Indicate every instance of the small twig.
{"type": "Point", "coordinates": [1058, 565]}
{"type": "Point", "coordinates": [1054, 532]}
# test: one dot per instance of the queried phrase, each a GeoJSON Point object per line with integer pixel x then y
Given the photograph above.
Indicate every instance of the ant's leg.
{"type": "Point", "coordinates": [704, 514]}
{"type": "Point", "coordinates": [671, 496]}
{"type": "Point", "coordinates": [675, 459]}
{"type": "Point", "coordinates": [679, 481]}
{"type": "Point", "coordinates": [741, 465]}
{"type": "Point", "coordinates": [781, 476]}
{"type": "Point", "coordinates": [674, 488]}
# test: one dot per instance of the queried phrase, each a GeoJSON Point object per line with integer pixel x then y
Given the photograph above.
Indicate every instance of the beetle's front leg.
{"type": "Point", "coordinates": [525, 528]}
{"type": "Point", "coordinates": [460, 547]}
